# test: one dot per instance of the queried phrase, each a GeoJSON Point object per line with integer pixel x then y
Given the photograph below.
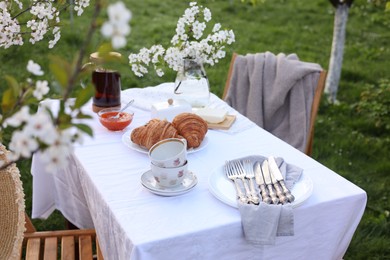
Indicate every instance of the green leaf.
{"type": "Point", "coordinates": [84, 95]}
{"type": "Point", "coordinates": [104, 49]}
{"type": "Point", "coordinates": [13, 84]}
{"type": "Point", "coordinates": [9, 101]}
{"type": "Point", "coordinates": [387, 9]}
{"type": "Point", "coordinates": [60, 69]}
{"type": "Point", "coordinates": [64, 120]}
{"type": "Point", "coordinates": [85, 128]}
{"type": "Point", "coordinates": [83, 116]}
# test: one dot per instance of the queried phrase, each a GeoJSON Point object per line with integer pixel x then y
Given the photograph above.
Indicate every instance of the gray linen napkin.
{"type": "Point", "coordinates": [264, 222]}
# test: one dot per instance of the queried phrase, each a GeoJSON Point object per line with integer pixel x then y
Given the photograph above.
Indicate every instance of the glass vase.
{"type": "Point", "coordinates": [191, 84]}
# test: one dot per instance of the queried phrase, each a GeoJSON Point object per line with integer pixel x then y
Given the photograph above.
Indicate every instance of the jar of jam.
{"type": "Point", "coordinates": [107, 82]}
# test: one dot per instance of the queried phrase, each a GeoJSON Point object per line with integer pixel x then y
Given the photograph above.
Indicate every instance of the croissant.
{"type": "Point", "coordinates": [192, 127]}
{"type": "Point", "coordinates": [155, 130]}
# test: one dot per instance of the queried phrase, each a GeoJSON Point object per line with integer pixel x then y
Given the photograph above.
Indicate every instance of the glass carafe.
{"type": "Point", "coordinates": [192, 84]}
{"type": "Point", "coordinates": [107, 83]}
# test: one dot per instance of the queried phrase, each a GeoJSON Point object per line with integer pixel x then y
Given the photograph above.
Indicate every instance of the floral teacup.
{"type": "Point", "coordinates": [169, 153]}
{"type": "Point", "coordinates": [169, 177]}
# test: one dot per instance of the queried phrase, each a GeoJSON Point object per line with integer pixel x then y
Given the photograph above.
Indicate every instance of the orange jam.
{"type": "Point", "coordinates": [116, 124]}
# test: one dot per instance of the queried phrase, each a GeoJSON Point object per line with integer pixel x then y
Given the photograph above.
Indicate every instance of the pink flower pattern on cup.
{"type": "Point", "coordinates": [177, 162]}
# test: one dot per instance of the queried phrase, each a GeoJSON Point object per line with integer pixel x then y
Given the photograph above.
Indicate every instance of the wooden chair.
{"type": "Point", "coordinates": [314, 109]}
{"type": "Point", "coordinates": [19, 238]}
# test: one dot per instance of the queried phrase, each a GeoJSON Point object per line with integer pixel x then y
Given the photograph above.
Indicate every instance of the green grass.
{"type": "Point", "coordinates": [345, 141]}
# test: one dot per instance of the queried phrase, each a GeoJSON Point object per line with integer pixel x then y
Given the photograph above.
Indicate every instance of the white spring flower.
{"type": "Point", "coordinates": [207, 14]}
{"type": "Point", "coordinates": [41, 126]}
{"type": "Point", "coordinates": [55, 157]}
{"type": "Point", "coordinates": [34, 68]}
{"type": "Point", "coordinates": [80, 5]}
{"type": "Point", "coordinates": [57, 36]}
{"type": "Point", "coordinates": [9, 28]}
{"type": "Point", "coordinates": [198, 28]}
{"type": "Point", "coordinates": [216, 27]}
{"type": "Point", "coordinates": [118, 41]}
{"type": "Point", "coordinates": [19, 4]}
{"type": "Point", "coordinates": [117, 26]}
{"type": "Point", "coordinates": [18, 118]}
{"type": "Point", "coordinates": [159, 72]}
{"type": "Point", "coordinates": [41, 89]}
{"type": "Point", "coordinates": [22, 144]}
{"type": "Point", "coordinates": [43, 10]}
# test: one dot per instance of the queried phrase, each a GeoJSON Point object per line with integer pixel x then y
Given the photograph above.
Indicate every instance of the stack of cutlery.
{"type": "Point", "coordinates": [271, 188]}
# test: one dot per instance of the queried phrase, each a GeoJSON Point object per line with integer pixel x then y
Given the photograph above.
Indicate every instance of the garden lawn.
{"type": "Point", "coordinates": [352, 144]}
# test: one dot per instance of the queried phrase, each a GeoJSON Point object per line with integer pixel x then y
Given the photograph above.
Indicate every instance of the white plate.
{"type": "Point", "coordinates": [223, 188]}
{"type": "Point", "coordinates": [189, 182]}
{"type": "Point", "coordinates": [127, 141]}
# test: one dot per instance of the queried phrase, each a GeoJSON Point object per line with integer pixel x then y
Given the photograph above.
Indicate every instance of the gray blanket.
{"type": "Point", "coordinates": [275, 92]}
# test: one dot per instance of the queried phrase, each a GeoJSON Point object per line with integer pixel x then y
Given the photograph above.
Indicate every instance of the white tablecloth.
{"type": "Point", "coordinates": [101, 188]}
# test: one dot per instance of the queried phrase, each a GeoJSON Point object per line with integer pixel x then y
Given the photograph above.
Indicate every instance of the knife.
{"type": "Point", "coordinates": [260, 182]}
{"type": "Point", "coordinates": [278, 175]}
{"type": "Point", "coordinates": [268, 181]}
{"type": "Point", "coordinates": [279, 192]}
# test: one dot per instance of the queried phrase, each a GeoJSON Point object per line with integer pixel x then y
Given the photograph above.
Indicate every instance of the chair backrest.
{"type": "Point", "coordinates": [314, 108]}
{"type": "Point", "coordinates": [12, 214]}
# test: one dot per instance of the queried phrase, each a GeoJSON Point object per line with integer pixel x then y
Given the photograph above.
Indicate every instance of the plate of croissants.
{"type": "Point", "coordinates": [185, 125]}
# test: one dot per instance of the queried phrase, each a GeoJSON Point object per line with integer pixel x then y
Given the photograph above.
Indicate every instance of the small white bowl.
{"type": "Point", "coordinates": [169, 153]}
{"type": "Point", "coordinates": [169, 177]}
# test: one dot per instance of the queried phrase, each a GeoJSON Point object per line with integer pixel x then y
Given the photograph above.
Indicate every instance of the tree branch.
{"type": "Point", "coordinates": [83, 48]}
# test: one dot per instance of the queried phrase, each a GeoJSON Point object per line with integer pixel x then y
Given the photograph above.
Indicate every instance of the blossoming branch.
{"type": "Point", "coordinates": [186, 43]}
{"type": "Point", "coordinates": [45, 17]}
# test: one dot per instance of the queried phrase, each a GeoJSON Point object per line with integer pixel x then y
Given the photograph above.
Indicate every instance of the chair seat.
{"type": "Point", "coordinates": [64, 244]}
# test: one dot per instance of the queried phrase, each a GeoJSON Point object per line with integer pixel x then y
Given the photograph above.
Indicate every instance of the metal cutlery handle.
{"type": "Point", "coordinates": [287, 192]}
{"type": "Point", "coordinates": [247, 190]}
{"type": "Point", "coordinates": [241, 196]}
{"type": "Point", "coordinates": [272, 194]}
{"type": "Point", "coordinates": [264, 194]}
{"type": "Point", "coordinates": [255, 198]}
{"type": "Point", "coordinates": [282, 198]}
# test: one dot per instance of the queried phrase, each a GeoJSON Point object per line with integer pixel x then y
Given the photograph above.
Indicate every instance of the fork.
{"type": "Point", "coordinates": [230, 173]}
{"type": "Point", "coordinates": [241, 174]}
{"type": "Point", "coordinates": [249, 173]}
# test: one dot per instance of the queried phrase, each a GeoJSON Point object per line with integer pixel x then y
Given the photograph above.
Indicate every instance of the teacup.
{"type": "Point", "coordinates": [169, 153]}
{"type": "Point", "coordinates": [169, 177]}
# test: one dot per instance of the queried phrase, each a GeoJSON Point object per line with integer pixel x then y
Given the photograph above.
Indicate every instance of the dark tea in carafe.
{"type": "Point", "coordinates": [107, 84]}
{"type": "Point", "coordinates": [107, 88]}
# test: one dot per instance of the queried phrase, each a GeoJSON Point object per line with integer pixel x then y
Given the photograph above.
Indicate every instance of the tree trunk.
{"type": "Point", "coordinates": [336, 59]}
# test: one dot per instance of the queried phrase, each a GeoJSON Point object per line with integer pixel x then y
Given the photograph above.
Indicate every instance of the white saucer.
{"type": "Point", "coordinates": [127, 141]}
{"type": "Point", "coordinates": [189, 182]}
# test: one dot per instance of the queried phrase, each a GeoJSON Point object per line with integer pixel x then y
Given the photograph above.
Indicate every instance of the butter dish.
{"type": "Point", "coordinates": [169, 109]}
{"type": "Point", "coordinates": [212, 115]}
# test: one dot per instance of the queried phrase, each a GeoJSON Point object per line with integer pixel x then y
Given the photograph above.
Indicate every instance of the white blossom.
{"type": "Point", "coordinates": [117, 27]}
{"type": "Point", "coordinates": [18, 118]}
{"type": "Point", "coordinates": [216, 27]}
{"type": "Point", "coordinates": [57, 35]}
{"type": "Point", "coordinates": [44, 18]}
{"type": "Point", "coordinates": [22, 144]}
{"type": "Point", "coordinates": [41, 89]}
{"type": "Point", "coordinates": [41, 126]}
{"type": "Point", "coordinates": [55, 157]}
{"type": "Point", "coordinates": [9, 28]}
{"type": "Point", "coordinates": [186, 43]}
{"type": "Point", "coordinates": [34, 68]}
{"type": "Point", "coordinates": [207, 14]}
{"type": "Point", "coordinates": [80, 5]}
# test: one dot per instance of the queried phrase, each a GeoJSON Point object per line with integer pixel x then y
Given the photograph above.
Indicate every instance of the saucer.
{"type": "Point", "coordinates": [186, 185]}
